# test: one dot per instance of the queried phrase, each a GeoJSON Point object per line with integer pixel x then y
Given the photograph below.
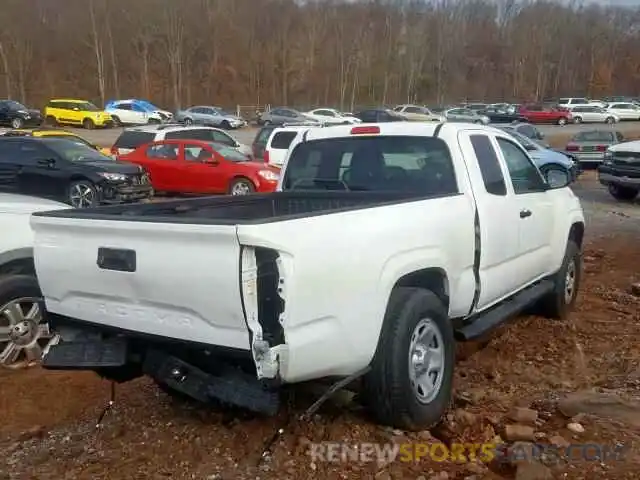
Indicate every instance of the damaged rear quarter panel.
{"type": "Point", "coordinates": [338, 271]}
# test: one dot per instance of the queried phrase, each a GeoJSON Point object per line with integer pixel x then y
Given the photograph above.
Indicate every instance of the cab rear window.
{"type": "Point", "coordinates": [419, 165]}
{"type": "Point", "coordinates": [133, 139]}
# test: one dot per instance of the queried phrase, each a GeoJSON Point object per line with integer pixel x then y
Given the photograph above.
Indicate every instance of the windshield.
{"type": "Point", "coordinates": [418, 165]}
{"type": "Point", "coordinates": [86, 107]}
{"type": "Point", "coordinates": [229, 153]}
{"type": "Point", "coordinates": [73, 151]}
{"type": "Point", "coordinates": [73, 138]}
{"type": "Point", "coordinates": [13, 105]}
{"type": "Point", "coordinates": [147, 105]}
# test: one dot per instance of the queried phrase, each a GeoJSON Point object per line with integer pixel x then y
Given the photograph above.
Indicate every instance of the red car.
{"type": "Point", "coordinates": [195, 166]}
{"type": "Point", "coordinates": [542, 114]}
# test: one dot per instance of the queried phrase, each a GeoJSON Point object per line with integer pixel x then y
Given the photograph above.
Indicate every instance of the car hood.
{"type": "Point", "coordinates": [626, 147]}
{"type": "Point", "coordinates": [545, 156]}
{"type": "Point", "coordinates": [111, 166]}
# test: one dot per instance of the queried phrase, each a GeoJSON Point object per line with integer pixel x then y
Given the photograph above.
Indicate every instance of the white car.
{"type": "Point", "coordinates": [275, 150]}
{"type": "Point", "coordinates": [580, 101]}
{"type": "Point", "coordinates": [624, 110]}
{"type": "Point", "coordinates": [331, 276]}
{"type": "Point", "coordinates": [131, 138]}
{"type": "Point", "coordinates": [330, 116]}
{"type": "Point", "coordinates": [586, 114]}
{"type": "Point", "coordinates": [130, 112]}
{"type": "Point", "coordinates": [417, 113]}
{"type": "Point", "coordinates": [23, 335]}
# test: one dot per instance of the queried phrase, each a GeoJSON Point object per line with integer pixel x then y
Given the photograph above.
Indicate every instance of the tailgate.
{"type": "Point", "coordinates": [173, 280]}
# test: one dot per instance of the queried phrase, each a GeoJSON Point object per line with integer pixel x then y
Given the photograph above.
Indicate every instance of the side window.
{"type": "Point", "coordinates": [524, 175]}
{"type": "Point", "coordinates": [282, 140]}
{"type": "Point", "coordinates": [124, 106]}
{"type": "Point", "coordinates": [489, 165]}
{"type": "Point", "coordinates": [196, 153]}
{"type": "Point", "coordinates": [412, 110]}
{"type": "Point", "coordinates": [220, 137]}
{"type": "Point", "coordinates": [137, 108]}
{"type": "Point", "coordinates": [368, 116]}
{"type": "Point", "coordinates": [163, 151]}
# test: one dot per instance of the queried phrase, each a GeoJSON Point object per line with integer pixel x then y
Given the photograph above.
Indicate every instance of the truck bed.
{"type": "Point", "coordinates": [227, 210]}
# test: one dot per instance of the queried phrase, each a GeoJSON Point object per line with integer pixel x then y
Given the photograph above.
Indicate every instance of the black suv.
{"type": "Point", "coordinates": [69, 172]}
{"type": "Point", "coordinates": [16, 115]}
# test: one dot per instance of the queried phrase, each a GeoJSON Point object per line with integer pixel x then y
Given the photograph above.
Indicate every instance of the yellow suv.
{"type": "Point", "coordinates": [54, 133]}
{"type": "Point", "coordinates": [76, 112]}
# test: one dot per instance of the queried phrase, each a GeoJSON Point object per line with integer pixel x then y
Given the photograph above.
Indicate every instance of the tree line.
{"type": "Point", "coordinates": [315, 52]}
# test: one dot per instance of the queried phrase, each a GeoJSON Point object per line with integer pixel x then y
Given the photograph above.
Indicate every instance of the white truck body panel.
{"type": "Point", "coordinates": [336, 269]}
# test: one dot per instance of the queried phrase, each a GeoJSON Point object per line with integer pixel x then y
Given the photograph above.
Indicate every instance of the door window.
{"type": "Point", "coordinates": [163, 151]}
{"type": "Point", "coordinates": [196, 153]}
{"type": "Point", "coordinates": [124, 106]}
{"type": "Point", "coordinates": [489, 165]}
{"type": "Point", "coordinates": [524, 174]}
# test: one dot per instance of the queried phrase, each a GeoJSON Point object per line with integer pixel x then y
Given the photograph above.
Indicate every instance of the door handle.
{"type": "Point", "coordinates": [525, 213]}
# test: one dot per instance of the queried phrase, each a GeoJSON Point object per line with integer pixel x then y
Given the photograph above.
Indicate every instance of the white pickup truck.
{"type": "Point", "coordinates": [23, 333]}
{"type": "Point", "coordinates": [386, 244]}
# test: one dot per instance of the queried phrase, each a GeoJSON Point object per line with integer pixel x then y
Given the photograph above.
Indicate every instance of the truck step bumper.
{"type": "Point", "coordinates": [230, 386]}
{"type": "Point", "coordinates": [86, 355]}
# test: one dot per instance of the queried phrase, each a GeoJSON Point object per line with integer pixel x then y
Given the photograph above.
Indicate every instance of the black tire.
{"type": "Point", "coordinates": [188, 121]}
{"type": "Point", "coordinates": [88, 124]}
{"type": "Point", "coordinates": [625, 194]}
{"type": "Point", "coordinates": [609, 120]}
{"type": "Point", "coordinates": [388, 391]}
{"type": "Point", "coordinates": [562, 121]}
{"type": "Point", "coordinates": [577, 119]}
{"type": "Point", "coordinates": [17, 123]}
{"type": "Point", "coordinates": [559, 303]}
{"type": "Point", "coordinates": [116, 120]}
{"type": "Point", "coordinates": [51, 121]}
{"type": "Point", "coordinates": [88, 194]}
{"type": "Point", "coordinates": [241, 184]}
{"type": "Point", "coordinates": [225, 125]}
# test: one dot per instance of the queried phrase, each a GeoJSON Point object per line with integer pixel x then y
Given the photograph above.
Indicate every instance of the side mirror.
{"type": "Point", "coordinates": [557, 178]}
{"type": "Point", "coordinates": [46, 162]}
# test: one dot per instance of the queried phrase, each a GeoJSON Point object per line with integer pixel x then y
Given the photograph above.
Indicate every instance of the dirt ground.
{"type": "Point", "coordinates": [48, 420]}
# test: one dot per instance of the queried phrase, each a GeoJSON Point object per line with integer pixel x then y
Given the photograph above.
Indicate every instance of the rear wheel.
{"type": "Point", "coordinates": [24, 334]}
{"type": "Point", "coordinates": [577, 119]}
{"type": "Point", "coordinates": [241, 186]}
{"type": "Point", "coordinates": [82, 194]}
{"type": "Point", "coordinates": [17, 123]}
{"type": "Point", "coordinates": [625, 194]}
{"type": "Point", "coordinates": [562, 121]}
{"type": "Point", "coordinates": [226, 125]}
{"type": "Point", "coordinates": [188, 121]}
{"type": "Point", "coordinates": [88, 124]}
{"type": "Point", "coordinates": [410, 382]}
{"type": "Point", "coordinates": [610, 120]}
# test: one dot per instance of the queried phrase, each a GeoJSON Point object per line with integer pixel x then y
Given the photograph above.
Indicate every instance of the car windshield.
{"type": "Point", "coordinates": [593, 136]}
{"type": "Point", "coordinates": [86, 107]}
{"type": "Point", "coordinates": [229, 153]}
{"type": "Point", "coordinates": [13, 105]}
{"type": "Point", "coordinates": [76, 152]}
{"type": "Point", "coordinates": [72, 138]}
{"type": "Point", "coordinates": [415, 165]}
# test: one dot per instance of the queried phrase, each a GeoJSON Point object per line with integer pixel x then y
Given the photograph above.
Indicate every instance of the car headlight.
{"type": "Point", "coordinates": [269, 175]}
{"type": "Point", "coordinates": [113, 177]}
{"type": "Point", "coordinates": [608, 158]}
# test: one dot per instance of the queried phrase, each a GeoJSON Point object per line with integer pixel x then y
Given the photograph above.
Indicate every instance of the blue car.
{"type": "Point", "coordinates": [136, 112]}
{"type": "Point", "coordinates": [550, 162]}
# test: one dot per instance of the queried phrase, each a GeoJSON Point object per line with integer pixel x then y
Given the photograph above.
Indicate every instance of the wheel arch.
{"type": "Point", "coordinates": [576, 233]}
{"type": "Point", "coordinates": [433, 279]}
{"type": "Point", "coordinates": [240, 176]}
{"type": "Point", "coordinates": [18, 261]}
